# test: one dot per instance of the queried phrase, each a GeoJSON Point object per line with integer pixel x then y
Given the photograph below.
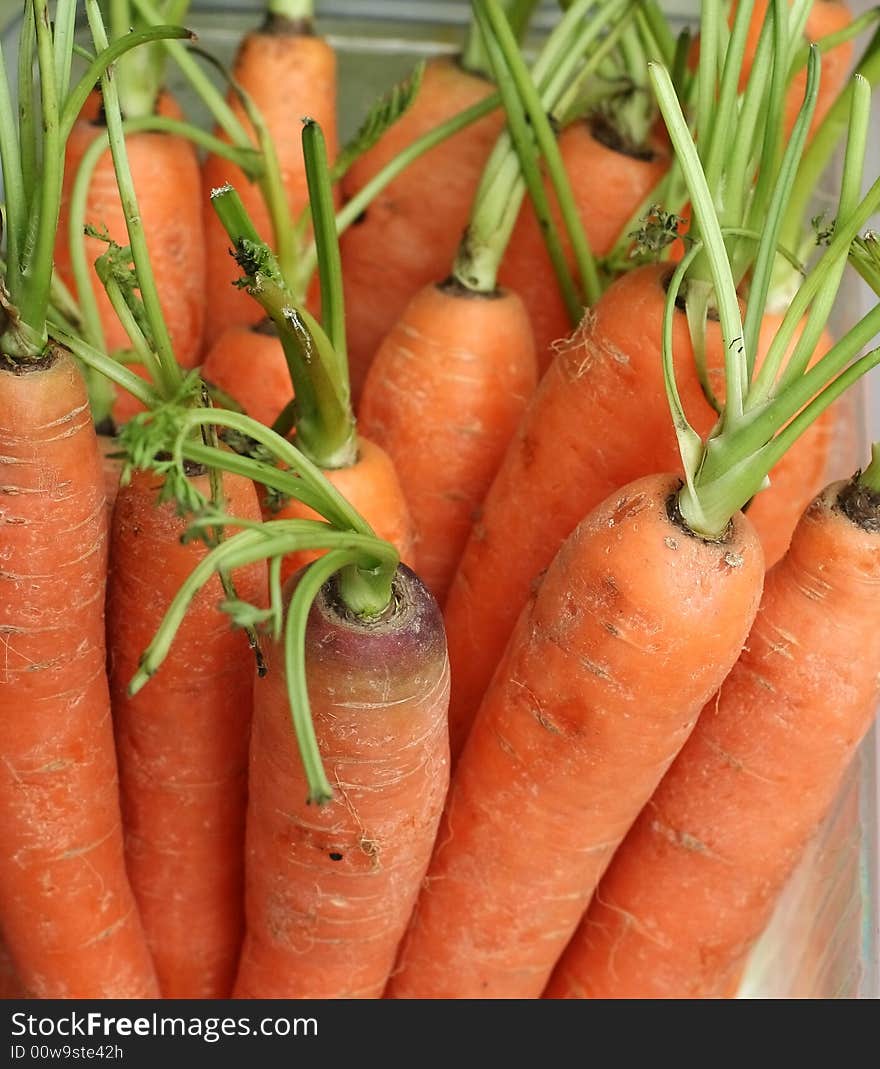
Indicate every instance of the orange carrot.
{"type": "Point", "coordinates": [399, 247]}
{"type": "Point", "coordinates": [182, 741]}
{"type": "Point", "coordinates": [609, 183]}
{"type": "Point", "coordinates": [330, 889]}
{"type": "Point", "coordinates": [371, 485]}
{"type": "Point", "coordinates": [66, 908]}
{"type": "Point", "coordinates": [288, 73]}
{"type": "Point", "coordinates": [247, 363]}
{"type": "Point", "coordinates": [694, 882]}
{"type": "Point", "coordinates": [575, 446]}
{"type": "Point", "coordinates": [565, 750]}
{"type": "Point", "coordinates": [10, 985]}
{"type": "Point", "coordinates": [177, 251]}
{"type": "Point", "coordinates": [443, 397]}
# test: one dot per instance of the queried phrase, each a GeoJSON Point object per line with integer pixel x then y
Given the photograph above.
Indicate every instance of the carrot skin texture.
{"type": "Point", "coordinates": [330, 889]}
{"type": "Point", "coordinates": [250, 367]}
{"type": "Point", "coordinates": [288, 77]}
{"type": "Point", "coordinates": [372, 486]}
{"type": "Point", "coordinates": [634, 625]}
{"type": "Point", "coordinates": [166, 178]}
{"type": "Point", "coordinates": [409, 235]}
{"type": "Point", "coordinates": [694, 883]}
{"type": "Point", "coordinates": [608, 187]}
{"type": "Point", "coordinates": [68, 915]}
{"type": "Point", "coordinates": [575, 445]}
{"type": "Point", "coordinates": [183, 740]}
{"type": "Point", "coordinates": [443, 398]}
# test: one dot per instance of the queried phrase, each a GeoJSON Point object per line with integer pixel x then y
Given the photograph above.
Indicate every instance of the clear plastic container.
{"type": "Point", "coordinates": [824, 939]}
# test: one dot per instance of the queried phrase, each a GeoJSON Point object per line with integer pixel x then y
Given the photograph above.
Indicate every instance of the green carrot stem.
{"type": "Point", "coordinates": [536, 108]}
{"type": "Point", "coordinates": [15, 215]}
{"type": "Point", "coordinates": [690, 445]}
{"type": "Point", "coordinates": [200, 83]}
{"type": "Point", "coordinates": [870, 477]}
{"type": "Point", "coordinates": [169, 374]}
{"type": "Point", "coordinates": [737, 484]}
{"type": "Point", "coordinates": [248, 159]}
{"type": "Point", "coordinates": [844, 234]}
{"type": "Point", "coordinates": [286, 419]}
{"type": "Point", "coordinates": [662, 38]}
{"type": "Point", "coordinates": [499, 196]}
{"type": "Point", "coordinates": [822, 146]}
{"type": "Point", "coordinates": [295, 10]}
{"type": "Point", "coordinates": [333, 507]}
{"type": "Point", "coordinates": [138, 86]}
{"type": "Point", "coordinates": [473, 56]}
{"type": "Point", "coordinates": [33, 301]}
{"type": "Point", "coordinates": [724, 113]}
{"type": "Point", "coordinates": [106, 366]}
{"type": "Point", "coordinates": [324, 421]}
{"type": "Point", "coordinates": [130, 324]}
{"type": "Point", "coordinates": [80, 92]}
{"type": "Point", "coordinates": [327, 243]}
{"type": "Point", "coordinates": [766, 252]}
{"type": "Point", "coordinates": [28, 146]}
{"type": "Point", "coordinates": [859, 25]}
{"type": "Point", "coordinates": [736, 369]}
{"type": "Point", "coordinates": [273, 478]}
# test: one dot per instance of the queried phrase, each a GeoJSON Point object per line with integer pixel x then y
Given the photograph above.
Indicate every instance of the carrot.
{"type": "Point", "coordinates": [732, 816]}
{"type": "Point", "coordinates": [330, 890]}
{"type": "Point", "coordinates": [182, 743]}
{"type": "Point", "coordinates": [609, 183]}
{"type": "Point", "coordinates": [288, 72]}
{"type": "Point", "coordinates": [68, 916]}
{"type": "Point", "coordinates": [322, 417]}
{"type": "Point", "coordinates": [443, 397]}
{"type": "Point", "coordinates": [372, 486]}
{"type": "Point", "coordinates": [111, 467]}
{"type": "Point", "coordinates": [464, 346]}
{"type": "Point", "coordinates": [397, 247]}
{"type": "Point", "coordinates": [580, 717]}
{"type": "Point", "coordinates": [564, 751]}
{"type": "Point", "coordinates": [568, 454]}
{"type": "Point", "coordinates": [67, 913]}
{"type": "Point", "coordinates": [247, 363]}
{"type": "Point", "coordinates": [178, 251]}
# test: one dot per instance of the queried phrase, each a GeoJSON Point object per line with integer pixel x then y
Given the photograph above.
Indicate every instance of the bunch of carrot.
{"type": "Point", "coordinates": [452, 602]}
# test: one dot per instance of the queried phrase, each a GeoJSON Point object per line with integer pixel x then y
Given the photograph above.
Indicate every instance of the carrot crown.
{"type": "Point", "coordinates": [765, 411]}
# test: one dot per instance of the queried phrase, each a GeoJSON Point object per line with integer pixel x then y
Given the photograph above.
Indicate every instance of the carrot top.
{"type": "Point", "coordinates": [765, 411]}
{"type": "Point", "coordinates": [513, 164]}
{"type": "Point", "coordinates": [473, 55]}
{"type": "Point", "coordinates": [32, 152]}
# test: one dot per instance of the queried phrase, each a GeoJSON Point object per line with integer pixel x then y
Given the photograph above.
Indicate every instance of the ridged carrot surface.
{"type": "Point", "coordinates": [694, 883]}
{"type": "Point", "coordinates": [330, 888]}
{"type": "Point", "coordinates": [566, 749]}
{"type": "Point", "coordinates": [443, 398]}
{"type": "Point", "coordinates": [67, 912]}
{"type": "Point", "coordinates": [182, 740]}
